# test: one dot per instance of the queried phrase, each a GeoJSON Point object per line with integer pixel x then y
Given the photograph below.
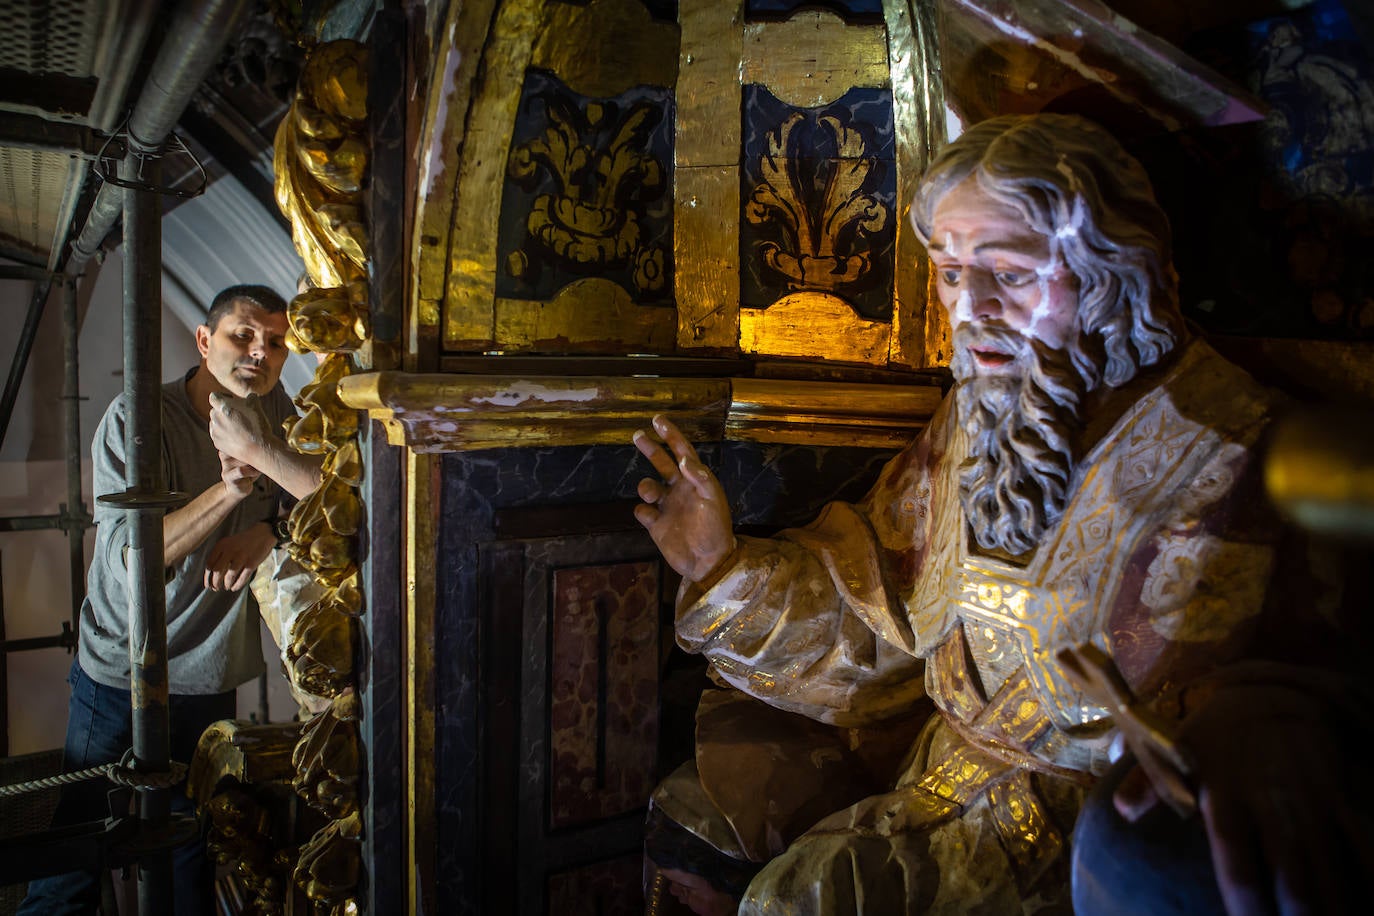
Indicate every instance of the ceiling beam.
{"type": "Point", "coordinates": [31, 132]}
{"type": "Point", "coordinates": [52, 92]}
{"type": "Point", "coordinates": [15, 251]}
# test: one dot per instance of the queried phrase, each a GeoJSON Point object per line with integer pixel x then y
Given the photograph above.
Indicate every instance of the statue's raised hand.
{"type": "Point", "coordinates": [685, 512]}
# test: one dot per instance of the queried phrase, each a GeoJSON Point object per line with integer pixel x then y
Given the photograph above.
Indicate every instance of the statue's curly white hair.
{"type": "Point", "coordinates": [1074, 182]}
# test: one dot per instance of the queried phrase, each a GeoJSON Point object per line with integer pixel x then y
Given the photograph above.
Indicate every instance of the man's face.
{"type": "Point", "coordinates": [992, 267]}
{"type": "Point", "coordinates": [246, 350]}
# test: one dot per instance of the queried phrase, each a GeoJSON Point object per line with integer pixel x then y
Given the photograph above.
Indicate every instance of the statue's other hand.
{"type": "Point", "coordinates": [1287, 816]}
{"type": "Point", "coordinates": [685, 511]}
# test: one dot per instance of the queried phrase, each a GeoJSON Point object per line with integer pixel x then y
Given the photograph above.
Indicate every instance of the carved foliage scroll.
{"type": "Point", "coordinates": [321, 164]}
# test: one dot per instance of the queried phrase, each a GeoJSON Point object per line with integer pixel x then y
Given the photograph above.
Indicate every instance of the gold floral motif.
{"type": "Point", "coordinates": [827, 241]}
{"type": "Point", "coordinates": [591, 220]}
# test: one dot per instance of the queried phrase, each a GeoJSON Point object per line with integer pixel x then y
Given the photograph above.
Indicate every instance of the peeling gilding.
{"type": "Point", "coordinates": [517, 395]}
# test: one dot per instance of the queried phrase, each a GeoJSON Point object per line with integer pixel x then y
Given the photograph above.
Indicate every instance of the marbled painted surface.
{"type": "Point", "coordinates": [769, 487]}
{"type": "Point", "coordinates": [597, 890]}
{"type": "Point", "coordinates": [382, 681]}
{"type": "Point", "coordinates": [603, 703]}
{"type": "Point", "coordinates": [779, 486]}
{"type": "Point", "coordinates": [475, 485]}
{"type": "Point", "coordinates": [382, 678]}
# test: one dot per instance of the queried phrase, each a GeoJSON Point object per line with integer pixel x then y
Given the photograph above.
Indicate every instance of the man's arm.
{"type": "Point", "coordinates": [240, 429]}
{"type": "Point", "coordinates": [184, 529]}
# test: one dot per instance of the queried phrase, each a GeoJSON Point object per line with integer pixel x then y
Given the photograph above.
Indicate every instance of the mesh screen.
{"type": "Point", "coordinates": [32, 184]}
{"type": "Point", "coordinates": [50, 36]}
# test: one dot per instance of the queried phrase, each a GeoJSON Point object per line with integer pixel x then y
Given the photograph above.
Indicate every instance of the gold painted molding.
{"type": "Point", "coordinates": [706, 192]}
{"type": "Point", "coordinates": [420, 525]}
{"type": "Point", "coordinates": [449, 413]}
{"type": "Point", "coordinates": [471, 278]}
{"type": "Point", "coordinates": [821, 56]}
{"type": "Point", "coordinates": [828, 413]}
{"type": "Point", "coordinates": [920, 334]}
{"type": "Point", "coordinates": [431, 413]}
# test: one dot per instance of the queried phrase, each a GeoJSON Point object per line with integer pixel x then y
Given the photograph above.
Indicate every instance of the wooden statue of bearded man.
{"type": "Point", "coordinates": [1091, 480]}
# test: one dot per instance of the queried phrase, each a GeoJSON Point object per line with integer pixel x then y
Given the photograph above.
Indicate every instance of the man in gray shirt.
{"type": "Point", "coordinates": [236, 466]}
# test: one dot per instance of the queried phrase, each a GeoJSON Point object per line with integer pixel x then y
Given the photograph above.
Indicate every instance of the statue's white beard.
{"type": "Point", "coordinates": [1021, 427]}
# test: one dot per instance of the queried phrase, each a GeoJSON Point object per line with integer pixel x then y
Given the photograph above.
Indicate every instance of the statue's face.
{"type": "Point", "coordinates": [991, 266]}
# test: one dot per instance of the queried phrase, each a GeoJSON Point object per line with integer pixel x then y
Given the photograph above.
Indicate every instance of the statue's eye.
{"type": "Point", "coordinates": [950, 276]}
{"type": "Point", "coordinates": [1013, 277]}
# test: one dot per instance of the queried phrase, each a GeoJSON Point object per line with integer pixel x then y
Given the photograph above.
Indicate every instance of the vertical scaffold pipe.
{"type": "Point", "coordinates": [144, 474]}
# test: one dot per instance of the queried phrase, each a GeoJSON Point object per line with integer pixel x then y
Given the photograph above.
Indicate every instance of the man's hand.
{"type": "Point", "coordinates": [686, 513]}
{"type": "Point", "coordinates": [238, 427]}
{"type": "Point", "coordinates": [238, 477]}
{"type": "Point", "coordinates": [241, 430]}
{"type": "Point", "coordinates": [234, 560]}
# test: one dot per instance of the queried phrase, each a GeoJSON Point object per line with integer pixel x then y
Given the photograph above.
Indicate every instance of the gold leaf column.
{"type": "Point", "coordinates": [320, 162]}
{"type": "Point", "coordinates": [321, 167]}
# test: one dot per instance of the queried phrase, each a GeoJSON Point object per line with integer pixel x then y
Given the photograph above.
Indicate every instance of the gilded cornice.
{"type": "Point", "coordinates": [445, 412]}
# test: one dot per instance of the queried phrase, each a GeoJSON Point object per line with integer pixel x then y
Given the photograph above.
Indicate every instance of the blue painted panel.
{"type": "Point", "coordinates": [811, 192]}
{"type": "Point", "coordinates": [569, 207]}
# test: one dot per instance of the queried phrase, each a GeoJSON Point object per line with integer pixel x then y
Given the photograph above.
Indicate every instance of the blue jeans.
{"type": "Point", "coordinates": [100, 730]}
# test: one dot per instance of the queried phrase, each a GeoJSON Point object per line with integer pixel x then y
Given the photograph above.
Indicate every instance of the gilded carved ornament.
{"type": "Point", "coordinates": [330, 863]}
{"type": "Point", "coordinates": [320, 192]}
{"type": "Point", "coordinates": [326, 759]}
{"type": "Point", "coordinates": [241, 836]}
{"type": "Point", "coordinates": [238, 779]}
{"type": "Point", "coordinates": [321, 162]}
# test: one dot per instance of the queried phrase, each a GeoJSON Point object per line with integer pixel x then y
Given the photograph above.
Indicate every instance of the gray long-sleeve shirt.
{"type": "Point", "coordinates": [213, 642]}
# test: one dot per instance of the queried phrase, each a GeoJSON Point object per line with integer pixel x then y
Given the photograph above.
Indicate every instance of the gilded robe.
{"type": "Point", "coordinates": [1161, 559]}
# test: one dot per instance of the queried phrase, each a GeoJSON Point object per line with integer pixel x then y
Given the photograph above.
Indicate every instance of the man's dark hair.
{"type": "Point", "coordinates": [264, 297]}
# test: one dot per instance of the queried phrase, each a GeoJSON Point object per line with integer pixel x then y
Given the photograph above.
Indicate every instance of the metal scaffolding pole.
{"type": "Point", "coordinates": [27, 334]}
{"type": "Point", "coordinates": [146, 502]}
{"type": "Point", "coordinates": [74, 517]}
